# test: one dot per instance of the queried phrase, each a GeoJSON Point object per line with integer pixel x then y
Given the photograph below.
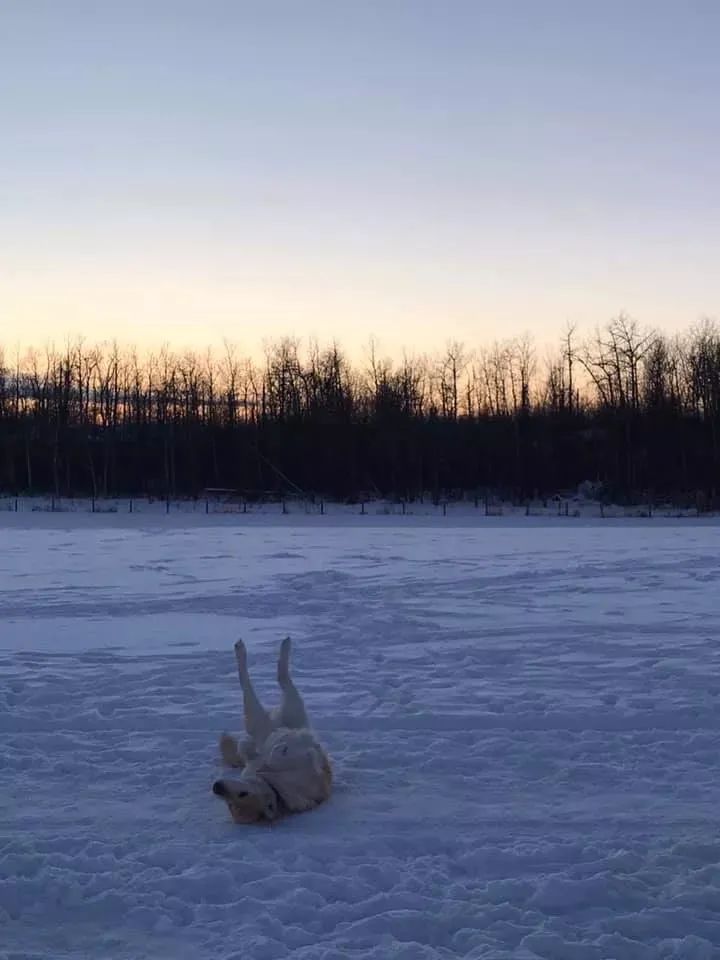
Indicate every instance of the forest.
{"type": "Point", "coordinates": [631, 409]}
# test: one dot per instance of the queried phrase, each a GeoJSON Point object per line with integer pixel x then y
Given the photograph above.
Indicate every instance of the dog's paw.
{"type": "Point", "coordinates": [283, 667]}
{"type": "Point", "coordinates": [229, 751]}
{"type": "Point", "coordinates": [240, 654]}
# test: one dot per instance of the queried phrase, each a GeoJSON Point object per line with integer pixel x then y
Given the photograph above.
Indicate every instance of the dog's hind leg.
{"type": "Point", "coordinates": [257, 720]}
{"type": "Point", "coordinates": [292, 709]}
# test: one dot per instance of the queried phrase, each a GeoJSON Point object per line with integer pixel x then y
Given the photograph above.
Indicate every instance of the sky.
{"type": "Point", "coordinates": [185, 172]}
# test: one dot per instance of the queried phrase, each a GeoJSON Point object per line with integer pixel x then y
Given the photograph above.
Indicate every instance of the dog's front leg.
{"type": "Point", "coordinates": [236, 753]}
{"type": "Point", "coordinates": [230, 752]}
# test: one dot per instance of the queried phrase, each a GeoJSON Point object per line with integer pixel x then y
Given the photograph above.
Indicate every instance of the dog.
{"type": "Point", "coordinates": [284, 768]}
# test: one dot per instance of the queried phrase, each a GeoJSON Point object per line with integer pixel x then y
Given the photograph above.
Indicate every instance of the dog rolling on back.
{"type": "Point", "coordinates": [282, 767]}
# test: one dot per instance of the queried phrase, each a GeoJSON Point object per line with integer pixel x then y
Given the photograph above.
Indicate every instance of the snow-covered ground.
{"type": "Point", "coordinates": [524, 717]}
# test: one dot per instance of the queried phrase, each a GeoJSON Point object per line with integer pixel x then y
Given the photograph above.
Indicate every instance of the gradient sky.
{"type": "Point", "coordinates": [185, 171]}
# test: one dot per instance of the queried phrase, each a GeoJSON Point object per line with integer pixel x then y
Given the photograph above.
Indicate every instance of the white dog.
{"type": "Point", "coordinates": [284, 767]}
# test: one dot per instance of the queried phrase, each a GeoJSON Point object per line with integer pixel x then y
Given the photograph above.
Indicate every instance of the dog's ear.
{"type": "Point", "coordinates": [315, 760]}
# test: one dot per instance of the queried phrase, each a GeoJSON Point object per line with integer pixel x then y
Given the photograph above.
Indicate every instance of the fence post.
{"type": "Point", "coordinates": [167, 505]}
{"type": "Point", "coordinates": [16, 504]}
{"type": "Point", "coordinates": [93, 505]}
{"type": "Point", "coordinates": [52, 505]}
{"type": "Point", "coordinates": [207, 506]}
{"type": "Point", "coordinates": [362, 507]}
{"type": "Point", "coordinates": [322, 508]}
{"type": "Point", "coordinates": [284, 506]}
{"type": "Point", "coordinates": [444, 508]}
{"type": "Point", "coordinates": [403, 507]}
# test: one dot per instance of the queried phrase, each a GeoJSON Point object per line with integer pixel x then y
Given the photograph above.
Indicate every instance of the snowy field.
{"type": "Point", "coordinates": [524, 717]}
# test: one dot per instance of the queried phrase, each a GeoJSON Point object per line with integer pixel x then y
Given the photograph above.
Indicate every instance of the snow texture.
{"type": "Point", "coordinates": [523, 717]}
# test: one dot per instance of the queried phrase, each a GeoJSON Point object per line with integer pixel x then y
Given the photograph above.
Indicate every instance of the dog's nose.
{"type": "Point", "coordinates": [219, 788]}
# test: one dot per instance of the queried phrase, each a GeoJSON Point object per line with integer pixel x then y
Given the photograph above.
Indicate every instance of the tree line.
{"type": "Point", "coordinates": [634, 410]}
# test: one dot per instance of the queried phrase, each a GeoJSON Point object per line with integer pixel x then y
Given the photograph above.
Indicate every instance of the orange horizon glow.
{"type": "Point", "coordinates": [177, 173]}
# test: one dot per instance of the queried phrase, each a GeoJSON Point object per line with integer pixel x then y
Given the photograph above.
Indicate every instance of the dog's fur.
{"type": "Point", "coordinates": [284, 767]}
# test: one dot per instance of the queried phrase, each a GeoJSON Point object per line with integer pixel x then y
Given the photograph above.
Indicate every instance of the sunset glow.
{"type": "Point", "coordinates": [187, 172]}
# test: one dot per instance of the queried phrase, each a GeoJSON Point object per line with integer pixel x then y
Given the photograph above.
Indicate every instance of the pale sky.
{"type": "Point", "coordinates": [199, 169]}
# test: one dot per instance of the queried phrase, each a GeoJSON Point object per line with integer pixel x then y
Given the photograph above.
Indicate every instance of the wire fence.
{"type": "Point", "coordinates": [296, 506]}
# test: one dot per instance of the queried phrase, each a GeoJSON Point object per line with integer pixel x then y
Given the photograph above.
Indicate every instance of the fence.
{"type": "Point", "coordinates": [477, 507]}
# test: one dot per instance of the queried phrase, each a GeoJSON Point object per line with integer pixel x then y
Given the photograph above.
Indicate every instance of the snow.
{"type": "Point", "coordinates": [523, 716]}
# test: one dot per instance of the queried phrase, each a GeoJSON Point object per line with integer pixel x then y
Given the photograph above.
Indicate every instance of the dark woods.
{"type": "Point", "coordinates": [635, 410]}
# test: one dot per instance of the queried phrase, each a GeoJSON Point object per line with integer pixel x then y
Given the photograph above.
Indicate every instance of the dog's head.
{"type": "Point", "coordinates": [249, 799]}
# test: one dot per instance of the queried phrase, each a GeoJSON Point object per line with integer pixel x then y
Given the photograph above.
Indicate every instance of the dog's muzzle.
{"type": "Point", "coordinates": [218, 788]}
